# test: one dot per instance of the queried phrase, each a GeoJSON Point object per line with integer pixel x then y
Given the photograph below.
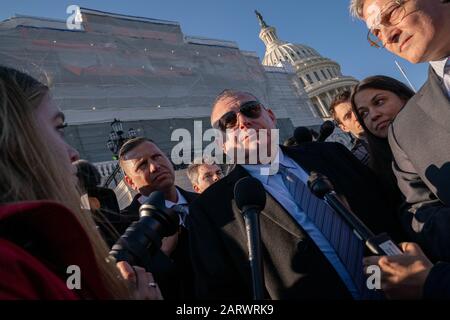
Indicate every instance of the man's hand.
{"type": "Point", "coordinates": [141, 282]}
{"type": "Point", "coordinates": [402, 276]}
{"type": "Point", "coordinates": [169, 244]}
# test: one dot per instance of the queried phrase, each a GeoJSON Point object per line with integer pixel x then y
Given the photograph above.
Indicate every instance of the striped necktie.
{"type": "Point", "coordinates": [346, 244]}
{"type": "Point", "coordinates": [446, 78]}
{"type": "Point", "coordinates": [183, 211]}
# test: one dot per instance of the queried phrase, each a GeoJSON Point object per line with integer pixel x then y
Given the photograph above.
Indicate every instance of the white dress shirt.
{"type": "Point", "coordinates": [169, 204]}
{"type": "Point", "coordinates": [275, 186]}
{"type": "Point", "coordinates": [442, 69]}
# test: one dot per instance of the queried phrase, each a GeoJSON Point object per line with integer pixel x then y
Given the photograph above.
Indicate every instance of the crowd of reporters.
{"type": "Point", "coordinates": [175, 244]}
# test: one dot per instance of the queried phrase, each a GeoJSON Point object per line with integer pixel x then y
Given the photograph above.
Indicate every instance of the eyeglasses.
{"type": "Point", "coordinates": [390, 15]}
{"type": "Point", "coordinates": [250, 109]}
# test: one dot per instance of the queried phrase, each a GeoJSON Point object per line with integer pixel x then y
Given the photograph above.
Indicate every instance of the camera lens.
{"type": "Point", "coordinates": [143, 237]}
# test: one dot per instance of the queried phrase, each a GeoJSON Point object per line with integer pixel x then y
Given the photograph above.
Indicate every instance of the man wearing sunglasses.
{"type": "Point", "coordinates": [418, 31]}
{"type": "Point", "coordinates": [299, 262]}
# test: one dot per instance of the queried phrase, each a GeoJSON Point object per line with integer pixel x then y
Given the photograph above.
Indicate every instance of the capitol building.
{"type": "Point", "coordinates": [154, 78]}
{"type": "Point", "coordinates": [145, 72]}
{"type": "Point", "coordinates": [320, 77]}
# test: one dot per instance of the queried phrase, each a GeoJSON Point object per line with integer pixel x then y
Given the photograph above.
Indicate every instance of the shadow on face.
{"type": "Point", "coordinates": [242, 134]}
{"type": "Point", "coordinates": [148, 169]}
{"type": "Point", "coordinates": [378, 108]}
{"type": "Point", "coordinates": [208, 174]}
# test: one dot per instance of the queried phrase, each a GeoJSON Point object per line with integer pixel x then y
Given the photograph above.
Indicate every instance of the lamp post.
{"type": "Point", "coordinates": [117, 137]}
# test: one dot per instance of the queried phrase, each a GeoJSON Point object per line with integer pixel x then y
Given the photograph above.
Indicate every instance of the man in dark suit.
{"type": "Point", "coordinates": [299, 261]}
{"type": "Point", "coordinates": [418, 31]}
{"type": "Point", "coordinates": [147, 169]}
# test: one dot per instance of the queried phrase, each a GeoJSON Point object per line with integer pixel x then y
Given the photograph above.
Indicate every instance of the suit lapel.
{"type": "Point", "coordinates": [135, 204]}
{"type": "Point", "coordinates": [189, 196]}
{"type": "Point", "coordinates": [276, 213]}
{"type": "Point", "coordinates": [434, 102]}
{"type": "Point", "coordinates": [273, 210]}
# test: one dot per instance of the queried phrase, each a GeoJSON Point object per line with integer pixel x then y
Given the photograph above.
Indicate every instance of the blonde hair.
{"type": "Point", "coordinates": [356, 8]}
{"type": "Point", "coordinates": [31, 170]}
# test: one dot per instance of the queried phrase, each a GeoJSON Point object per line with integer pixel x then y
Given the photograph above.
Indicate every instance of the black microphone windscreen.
{"type": "Point", "coordinates": [156, 200]}
{"type": "Point", "coordinates": [326, 129]}
{"type": "Point", "coordinates": [302, 134]}
{"type": "Point", "coordinates": [249, 191]}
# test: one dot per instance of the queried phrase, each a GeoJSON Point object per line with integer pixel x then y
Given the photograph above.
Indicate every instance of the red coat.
{"type": "Point", "coordinates": [57, 241]}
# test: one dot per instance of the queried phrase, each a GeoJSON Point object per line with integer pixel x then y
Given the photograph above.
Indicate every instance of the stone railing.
{"type": "Point", "coordinates": [106, 169]}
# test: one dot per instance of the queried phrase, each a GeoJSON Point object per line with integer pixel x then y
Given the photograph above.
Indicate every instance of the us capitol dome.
{"type": "Point", "coordinates": [321, 77]}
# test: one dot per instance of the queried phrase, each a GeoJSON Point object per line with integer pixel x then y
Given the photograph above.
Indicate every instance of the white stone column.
{"type": "Point", "coordinates": [324, 108]}
{"type": "Point", "coordinates": [329, 96]}
{"type": "Point", "coordinates": [316, 107]}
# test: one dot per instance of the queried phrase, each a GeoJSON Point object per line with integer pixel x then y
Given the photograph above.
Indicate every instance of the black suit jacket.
{"type": "Point", "coordinates": [437, 284]}
{"type": "Point", "coordinates": [420, 139]}
{"type": "Point", "coordinates": [294, 267]}
{"type": "Point", "coordinates": [173, 274]}
{"type": "Point", "coordinates": [132, 211]}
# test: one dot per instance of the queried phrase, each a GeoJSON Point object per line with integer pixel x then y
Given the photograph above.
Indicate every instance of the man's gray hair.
{"type": "Point", "coordinates": [356, 8]}
{"type": "Point", "coordinates": [230, 93]}
{"type": "Point", "coordinates": [192, 170]}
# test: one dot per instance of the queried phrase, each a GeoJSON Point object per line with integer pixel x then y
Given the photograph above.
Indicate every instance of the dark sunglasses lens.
{"type": "Point", "coordinates": [228, 120]}
{"type": "Point", "coordinates": [251, 110]}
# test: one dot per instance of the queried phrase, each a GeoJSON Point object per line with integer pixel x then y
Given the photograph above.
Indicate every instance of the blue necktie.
{"type": "Point", "coordinates": [346, 244]}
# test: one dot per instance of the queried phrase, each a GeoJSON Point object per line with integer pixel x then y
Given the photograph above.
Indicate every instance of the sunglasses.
{"type": "Point", "coordinates": [250, 109]}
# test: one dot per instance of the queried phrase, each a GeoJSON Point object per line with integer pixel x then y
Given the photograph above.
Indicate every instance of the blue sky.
{"type": "Point", "coordinates": [323, 25]}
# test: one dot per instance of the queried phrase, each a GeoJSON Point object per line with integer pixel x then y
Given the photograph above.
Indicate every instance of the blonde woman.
{"type": "Point", "coordinates": [49, 249]}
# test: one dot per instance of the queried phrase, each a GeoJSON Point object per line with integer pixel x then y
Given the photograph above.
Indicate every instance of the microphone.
{"type": "Point", "coordinates": [326, 129]}
{"type": "Point", "coordinates": [250, 197]}
{"type": "Point", "coordinates": [380, 244]}
{"type": "Point", "coordinates": [302, 135]}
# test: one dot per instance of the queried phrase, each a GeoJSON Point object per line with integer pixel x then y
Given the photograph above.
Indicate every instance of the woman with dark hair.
{"type": "Point", "coordinates": [376, 101]}
{"type": "Point", "coordinates": [87, 174]}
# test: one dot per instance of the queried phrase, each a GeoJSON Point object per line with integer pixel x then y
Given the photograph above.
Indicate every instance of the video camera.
{"type": "Point", "coordinates": [143, 237]}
